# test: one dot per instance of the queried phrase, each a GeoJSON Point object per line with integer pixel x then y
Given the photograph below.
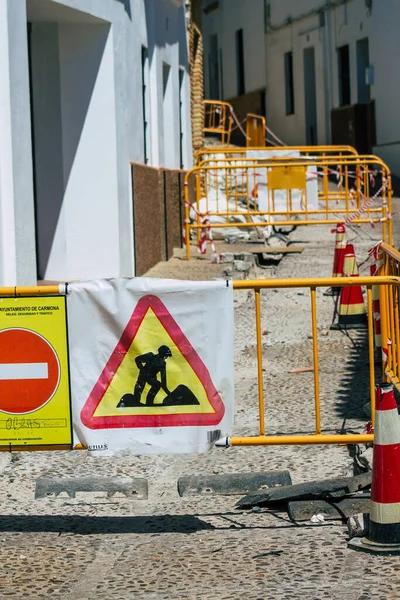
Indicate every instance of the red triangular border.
{"type": "Point", "coordinates": [118, 355]}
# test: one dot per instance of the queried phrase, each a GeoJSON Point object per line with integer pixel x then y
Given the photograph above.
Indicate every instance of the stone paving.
{"type": "Point", "coordinates": [201, 548]}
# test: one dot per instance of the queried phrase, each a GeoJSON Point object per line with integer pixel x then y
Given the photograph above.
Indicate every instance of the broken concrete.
{"type": "Point", "coordinates": [241, 266]}
{"type": "Point", "coordinates": [329, 488]}
{"type": "Point", "coordinates": [358, 525]}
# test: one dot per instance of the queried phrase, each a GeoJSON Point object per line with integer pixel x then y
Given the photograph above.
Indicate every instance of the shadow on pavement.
{"type": "Point", "coordinates": [354, 392]}
{"type": "Point", "coordinates": [159, 524]}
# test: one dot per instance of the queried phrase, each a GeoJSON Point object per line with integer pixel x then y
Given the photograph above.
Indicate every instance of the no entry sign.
{"type": "Point", "coordinates": [29, 371]}
{"type": "Point", "coordinates": [34, 378]}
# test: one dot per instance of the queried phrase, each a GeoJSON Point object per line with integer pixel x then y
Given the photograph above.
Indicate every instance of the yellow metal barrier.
{"type": "Point", "coordinates": [290, 191]}
{"type": "Point", "coordinates": [318, 437]}
{"type": "Point", "coordinates": [218, 119]}
{"type": "Point", "coordinates": [240, 153]}
{"type": "Point", "coordinates": [389, 261]}
{"type": "Point", "coordinates": [255, 131]}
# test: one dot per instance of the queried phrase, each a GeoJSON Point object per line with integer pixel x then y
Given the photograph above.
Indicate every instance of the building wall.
{"type": "Point", "coordinates": [17, 240]}
{"type": "Point", "coordinates": [87, 124]}
{"type": "Point", "coordinates": [230, 16]}
{"type": "Point", "coordinates": [345, 23]}
{"type": "Point", "coordinates": [294, 26]}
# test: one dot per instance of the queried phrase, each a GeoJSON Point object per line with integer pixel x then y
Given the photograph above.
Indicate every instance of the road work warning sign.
{"type": "Point", "coordinates": [154, 377]}
{"type": "Point", "coordinates": [152, 366]}
{"type": "Point", "coordinates": [34, 379]}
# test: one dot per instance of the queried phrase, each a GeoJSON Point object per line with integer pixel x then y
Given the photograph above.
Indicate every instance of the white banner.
{"type": "Point", "coordinates": [151, 364]}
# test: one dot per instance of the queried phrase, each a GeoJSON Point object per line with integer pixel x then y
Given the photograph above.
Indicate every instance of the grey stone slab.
{"type": "Point", "coordinates": [329, 488]}
{"type": "Point", "coordinates": [129, 486]}
{"type": "Point", "coordinates": [232, 483]}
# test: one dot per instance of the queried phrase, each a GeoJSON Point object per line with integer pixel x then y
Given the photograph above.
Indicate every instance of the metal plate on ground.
{"type": "Point", "coordinates": [231, 484]}
{"type": "Point", "coordinates": [337, 487]}
{"type": "Point", "coordinates": [129, 486]}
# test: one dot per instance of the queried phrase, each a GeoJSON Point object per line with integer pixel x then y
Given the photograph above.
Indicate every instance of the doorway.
{"type": "Point", "coordinates": [310, 97]}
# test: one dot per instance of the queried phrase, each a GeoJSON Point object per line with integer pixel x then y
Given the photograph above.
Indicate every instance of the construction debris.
{"type": "Point", "coordinates": [358, 525]}
{"type": "Point", "coordinates": [302, 370]}
{"type": "Point", "coordinates": [326, 489]}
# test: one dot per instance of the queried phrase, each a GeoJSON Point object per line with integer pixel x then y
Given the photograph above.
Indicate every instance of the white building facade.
{"type": "Point", "coordinates": [86, 88]}
{"type": "Point", "coordinates": [329, 68]}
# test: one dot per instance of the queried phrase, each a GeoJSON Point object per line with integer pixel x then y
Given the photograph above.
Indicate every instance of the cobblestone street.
{"type": "Point", "coordinates": [202, 548]}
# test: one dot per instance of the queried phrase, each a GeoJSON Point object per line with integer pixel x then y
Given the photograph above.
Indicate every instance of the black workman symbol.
{"type": "Point", "coordinates": [151, 366]}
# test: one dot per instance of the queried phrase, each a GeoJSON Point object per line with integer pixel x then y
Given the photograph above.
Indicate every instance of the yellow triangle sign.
{"type": "Point", "coordinates": [153, 378]}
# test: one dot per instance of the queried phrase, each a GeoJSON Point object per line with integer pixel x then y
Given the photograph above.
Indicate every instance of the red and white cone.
{"type": "Point", "coordinates": [384, 528]}
{"type": "Point", "coordinates": [352, 313]}
{"type": "Point", "coordinates": [338, 258]}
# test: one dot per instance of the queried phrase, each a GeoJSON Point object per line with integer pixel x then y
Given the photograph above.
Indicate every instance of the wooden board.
{"type": "Point", "coordinates": [278, 250]}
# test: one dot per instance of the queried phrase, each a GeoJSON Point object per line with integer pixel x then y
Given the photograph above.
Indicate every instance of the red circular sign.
{"type": "Point", "coordinates": [29, 371]}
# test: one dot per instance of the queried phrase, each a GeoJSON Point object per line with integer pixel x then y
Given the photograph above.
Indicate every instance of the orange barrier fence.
{"type": "Point", "coordinates": [315, 434]}
{"type": "Point", "coordinates": [218, 119]}
{"type": "Point", "coordinates": [255, 131]}
{"type": "Point", "coordinates": [239, 153]}
{"type": "Point", "coordinates": [389, 266]}
{"type": "Point", "coordinates": [287, 192]}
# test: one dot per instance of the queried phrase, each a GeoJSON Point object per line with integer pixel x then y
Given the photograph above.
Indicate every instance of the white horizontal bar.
{"type": "Point", "coordinates": [24, 371]}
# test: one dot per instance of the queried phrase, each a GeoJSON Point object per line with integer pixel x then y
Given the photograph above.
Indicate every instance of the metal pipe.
{"type": "Point", "coordinates": [259, 361]}
{"type": "Point", "coordinates": [315, 360]}
{"type": "Point", "coordinates": [40, 290]}
{"type": "Point", "coordinates": [295, 440]}
{"type": "Point", "coordinates": [322, 282]}
{"type": "Point", "coordinates": [371, 353]}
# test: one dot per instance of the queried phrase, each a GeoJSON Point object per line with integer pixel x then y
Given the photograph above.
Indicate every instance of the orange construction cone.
{"type": "Point", "coordinates": [352, 313]}
{"type": "Point", "coordinates": [338, 259]}
{"type": "Point", "coordinates": [384, 527]}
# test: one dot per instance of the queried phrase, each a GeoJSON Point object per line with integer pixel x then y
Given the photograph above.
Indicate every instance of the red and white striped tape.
{"type": "Point", "coordinates": [367, 204]}
{"type": "Point", "coordinates": [205, 230]}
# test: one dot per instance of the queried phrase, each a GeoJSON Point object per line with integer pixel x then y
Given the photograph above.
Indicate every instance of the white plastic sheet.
{"type": "Point", "coordinates": [119, 330]}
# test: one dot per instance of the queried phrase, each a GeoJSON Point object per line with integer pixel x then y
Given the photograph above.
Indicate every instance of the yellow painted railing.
{"type": "Point", "coordinates": [389, 266]}
{"type": "Point", "coordinates": [218, 119]}
{"type": "Point", "coordinates": [255, 131]}
{"type": "Point", "coordinates": [316, 436]}
{"type": "Point", "coordinates": [289, 191]}
{"type": "Point", "coordinates": [239, 153]}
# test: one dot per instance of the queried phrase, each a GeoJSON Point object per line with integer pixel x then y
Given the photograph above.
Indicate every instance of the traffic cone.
{"type": "Point", "coordinates": [377, 316]}
{"type": "Point", "coordinates": [338, 258]}
{"type": "Point", "coordinates": [384, 528]}
{"type": "Point", "coordinates": [352, 313]}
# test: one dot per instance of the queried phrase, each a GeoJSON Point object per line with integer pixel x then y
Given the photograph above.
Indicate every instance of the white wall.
{"type": "Point", "coordinates": [225, 21]}
{"type": "Point", "coordinates": [90, 206]}
{"type": "Point", "coordinates": [17, 230]}
{"type": "Point", "coordinates": [384, 51]}
{"type": "Point", "coordinates": [291, 128]}
{"type": "Point", "coordinates": [167, 44]}
{"type": "Point", "coordinates": [88, 124]}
